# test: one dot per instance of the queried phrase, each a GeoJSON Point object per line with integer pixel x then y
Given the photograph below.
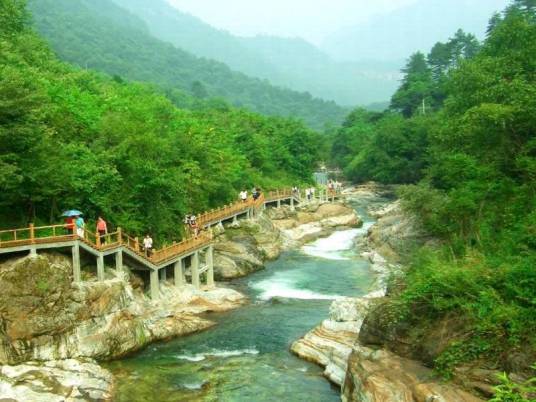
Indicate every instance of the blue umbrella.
{"type": "Point", "coordinates": [72, 212]}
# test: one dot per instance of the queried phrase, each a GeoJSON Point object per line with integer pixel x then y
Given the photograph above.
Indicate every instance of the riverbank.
{"type": "Point", "coordinates": [359, 367]}
{"type": "Point", "coordinates": [47, 321]}
{"type": "Point", "coordinates": [246, 356]}
{"type": "Point", "coordinates": [54, 329]}
{"type": "Point", "coordinates": [243, 247]}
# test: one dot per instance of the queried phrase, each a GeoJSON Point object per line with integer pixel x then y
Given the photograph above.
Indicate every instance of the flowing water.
{"type": "Point", "coordinates": [246, 356]}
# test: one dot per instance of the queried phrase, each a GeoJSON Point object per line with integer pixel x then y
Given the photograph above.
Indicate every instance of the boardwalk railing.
{"type": "Point", "coordinates": [32, 235]}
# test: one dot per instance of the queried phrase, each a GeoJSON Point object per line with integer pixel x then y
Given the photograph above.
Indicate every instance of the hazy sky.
{"type": "Point", "coordinates": [310, 19]}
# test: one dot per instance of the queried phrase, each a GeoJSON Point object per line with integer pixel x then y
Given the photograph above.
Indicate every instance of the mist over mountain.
{"type": "Point", "coordinates": [396, 35]}
{"type": "Point", "coordinates": [290, 62]}
{"type": "Point", "coordinates": [101, 35]}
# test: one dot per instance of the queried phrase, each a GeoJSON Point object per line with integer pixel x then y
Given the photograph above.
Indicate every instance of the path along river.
{"type": "Point", "coordinates": [246, 356]}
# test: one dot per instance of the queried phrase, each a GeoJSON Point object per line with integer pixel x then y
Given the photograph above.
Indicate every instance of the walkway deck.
{"type": "Point", "coordinates": [32, 239]}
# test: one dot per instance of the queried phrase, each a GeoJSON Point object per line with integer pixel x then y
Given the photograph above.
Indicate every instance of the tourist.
{"type": "Point", "coordinates": [257, 193]}
{"type": "Point", "coordinates": [102, 229]}
{"type": "Point", "coordinates": [80, 225]}
{"type": "Point", "coordinates": [244, 195]}
{"type": "Point", "coordinates": [308, 194]}
{"type": "Point", "coordinates": [194, 227]}
{"type": "Point", "coordinates": [69, 225]}
{"type": "Point", "coordinates": [254, 193]}
{"type": "Point", "coordinates": [187, 220]}
{"type": "Point", "coordinates": [148, 245]}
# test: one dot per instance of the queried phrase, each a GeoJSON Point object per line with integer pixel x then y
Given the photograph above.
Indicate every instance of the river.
{"type": "Point", "coordinates": [246, 356]}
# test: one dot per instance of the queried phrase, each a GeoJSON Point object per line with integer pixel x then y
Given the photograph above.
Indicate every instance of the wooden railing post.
{"type": "Point", "coordinates": [32, 233]}
{"type": "Point", "coordinates": [97, 239]}
{"type": "Point", "coordinates": [119, 236]}
{"type": "Point", "coordinates": [136, 244]}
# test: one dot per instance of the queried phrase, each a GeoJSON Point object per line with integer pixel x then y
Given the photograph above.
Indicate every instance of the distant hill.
{"type": "Point", "coordinates": [419, 26]}
{"type": "Point", "coordinates": [289, 62]}
{"type": "Point", "coordinates": [101, 35]}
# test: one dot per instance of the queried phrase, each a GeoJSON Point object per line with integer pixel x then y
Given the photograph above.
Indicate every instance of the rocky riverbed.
{"type": "Point", "coordinates": [47, 321]}
{"type": "Point", "coordinates": [244, 247]}
{"type": "Point", "coordinates": [53, 331]}
{"type": "Point", "coordinates": [364, 371]}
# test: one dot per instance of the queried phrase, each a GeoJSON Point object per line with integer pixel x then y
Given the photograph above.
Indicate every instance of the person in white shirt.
{"type": "Point", "coordinates": [148, 245]}
{"type": "Point", "coordinates": [244, 196]}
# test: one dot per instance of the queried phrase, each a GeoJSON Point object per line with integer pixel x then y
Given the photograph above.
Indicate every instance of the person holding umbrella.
{"type": "Point", "coordinates": [80, 226]}
{"type": "Point", "coordinates": [69, 220]}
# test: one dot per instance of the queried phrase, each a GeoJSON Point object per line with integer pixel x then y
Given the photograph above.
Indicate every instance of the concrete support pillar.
{"type": "Point", "coordinates": [33, 252]}
{"type": "Point", "coordinates": [76, 263]}
{"type": "Point", "coordinates": [100, 267]}
{"type": "Point", "coordinates": [178, 272]}
{"type": "Point", "coordinates": [292, 203]}
{"type": "Point", "coordinates": [119, 260]}
{"type": "Point", "coordinates": [163, 274]}
{"type": "Point", "coordinates": [195, 270]}
{"type": "Point", "coordinates": [235, 219]}
{"type": "Point", "coordinates": [210, 263]}
{"type": "Point", "coordinates": [154, 285]}
{"type": "Point", "coordinates": [278, 203]}
{"type": "Point", "coordinates": [248, 216]}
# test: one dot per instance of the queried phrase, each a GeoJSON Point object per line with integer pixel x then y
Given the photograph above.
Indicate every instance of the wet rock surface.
{"type": "Point", "coordinates": [243, 247]}
{"type": "Point", "coordinates": [56, 381]}
{"type": "Point", "coordinates": [379, 375]}
{"type": "Point", "coordinates": [331, 343]}
{"type": "Point", "coordinates": [348, 344]}
{"type": "Point", "coordinates": [47, 321]}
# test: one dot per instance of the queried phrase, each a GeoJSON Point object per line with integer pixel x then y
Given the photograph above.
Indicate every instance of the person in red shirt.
{"type": "Point", "coordinates": [69, 225]}
{"type": "Point", "coordinates": [102, 229]}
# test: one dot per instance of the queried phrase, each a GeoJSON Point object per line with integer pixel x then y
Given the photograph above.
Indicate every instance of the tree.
{"type": "Point", "coordinates": [416, 87]}
{"type": "Point", "coordinates": [13, 17]}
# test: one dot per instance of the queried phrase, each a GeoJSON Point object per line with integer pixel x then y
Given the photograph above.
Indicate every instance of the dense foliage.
{"type": "Point", "coordinates": [471, 154]}
{"type": "Point", "coordinates": [71, 138]}
{"type": "Point", "coordinates": [100, 35]}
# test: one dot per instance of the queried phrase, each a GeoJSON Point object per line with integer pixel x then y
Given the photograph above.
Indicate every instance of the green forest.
{"type": "Point", "coordinates": [460, 138]}
{"type": "Point", "coordinates": [72, 138]}
{"type": "Point", "coordinates": [100, 35]}
{"type": "Point", "coordinates": [143, 133]}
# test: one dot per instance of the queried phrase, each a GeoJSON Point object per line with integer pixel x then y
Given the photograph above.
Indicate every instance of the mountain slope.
{"type": "Point", "coordinates": [193, 35]}
{"type": "Point", "coordinates": [99, 34]}
{"type": "Point", "coordinates": [290, 62]}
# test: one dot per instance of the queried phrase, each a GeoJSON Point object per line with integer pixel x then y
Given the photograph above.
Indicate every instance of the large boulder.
{"type": "Point", "coordinates": [236, 257]}
{"type": "Point", "coordinates": [378, 375]}
{"type": "Point", "coordinates": [330, 344]}
{"type": "Point", "coordinates": [43, 316]}
{"type": "Point", "coordinates": [396, 233]}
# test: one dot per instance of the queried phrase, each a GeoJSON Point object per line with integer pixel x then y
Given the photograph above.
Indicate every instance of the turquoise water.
{"type": "Point", "coordinates": [246, 356]}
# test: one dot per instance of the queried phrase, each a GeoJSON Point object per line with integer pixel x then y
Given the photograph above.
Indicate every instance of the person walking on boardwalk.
{"type": "Point", "coordinates": [256, 193]}
{"type": "Point", "coordinates": [244, 195]}
{"type": "Point", "coordinates": [102, 229]}
{"type": "Point", "coordinates": [80, 226]}
{"type": "Point", "coordinates": [148, 245]}
{"type": "Point", "coordinates": [308, 194]}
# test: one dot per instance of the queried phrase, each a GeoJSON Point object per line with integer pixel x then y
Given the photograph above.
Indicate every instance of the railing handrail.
{"type": "Point", "coordinates": [133, 243]}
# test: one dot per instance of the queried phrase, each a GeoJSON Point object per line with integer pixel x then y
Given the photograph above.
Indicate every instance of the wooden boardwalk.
{"type": "Point", "coordinates": [197, 252]}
